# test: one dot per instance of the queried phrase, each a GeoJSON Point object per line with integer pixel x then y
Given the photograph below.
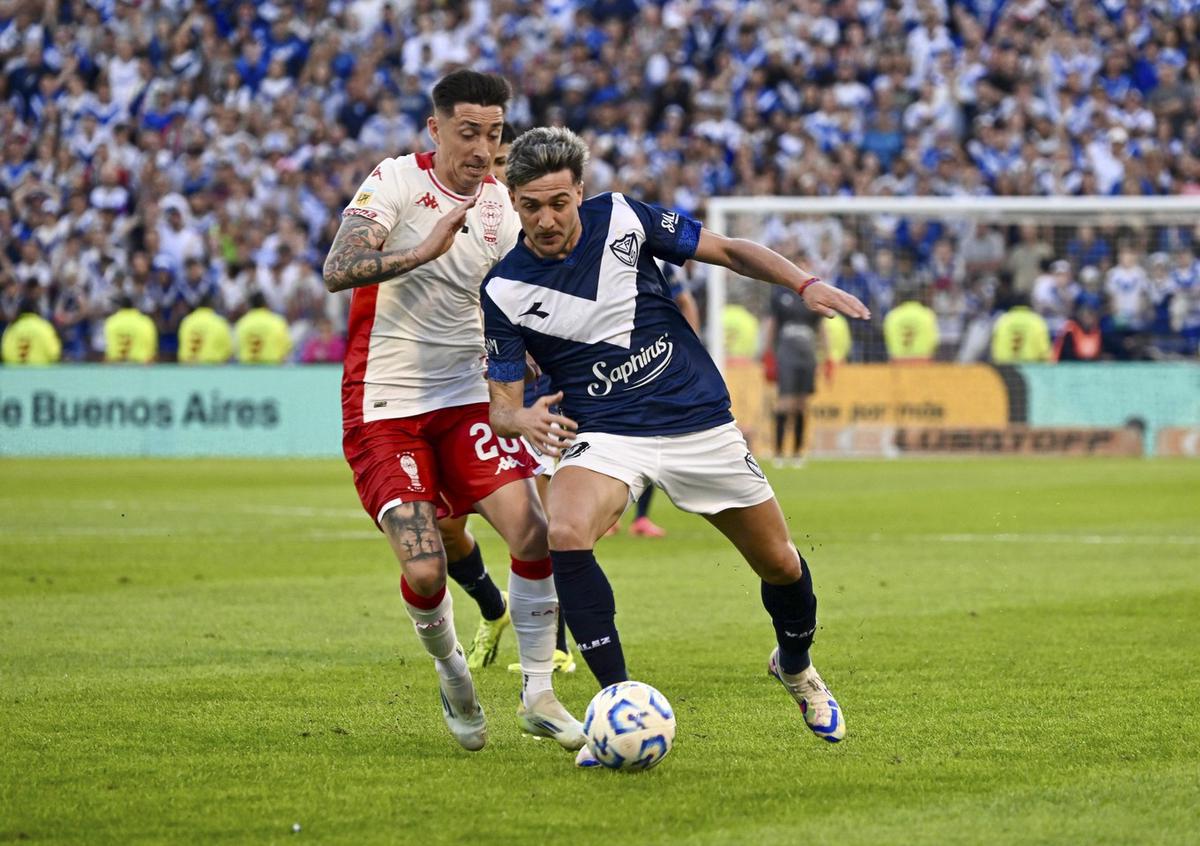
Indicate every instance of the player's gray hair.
{"type": "Point", "coordinates": [543, 150]}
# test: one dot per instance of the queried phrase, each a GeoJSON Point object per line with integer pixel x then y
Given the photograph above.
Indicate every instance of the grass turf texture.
{"type": "Point", "coordinates": [215, 650]}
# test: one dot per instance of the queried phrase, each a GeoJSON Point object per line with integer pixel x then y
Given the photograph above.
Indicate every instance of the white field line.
{"type": "Point", "coordinates": [1035, 537]}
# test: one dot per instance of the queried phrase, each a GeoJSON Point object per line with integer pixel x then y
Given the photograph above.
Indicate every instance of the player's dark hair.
{"type": "Point", "coordinates": [508, 134]}
{"type": "Point", "coordinates": [257, 300]}
{"type": "Point", "coordinates": [468, 86]}
{"type": "Point", "coordinates": [543, 150]}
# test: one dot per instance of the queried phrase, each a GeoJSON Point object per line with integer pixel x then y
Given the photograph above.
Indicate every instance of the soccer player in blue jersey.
{"type": "Point", "coordinates": [641, 401]}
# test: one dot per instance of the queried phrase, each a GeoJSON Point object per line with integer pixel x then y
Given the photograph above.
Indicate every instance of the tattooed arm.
{"type": "Point", "coordinates": [356, 257]}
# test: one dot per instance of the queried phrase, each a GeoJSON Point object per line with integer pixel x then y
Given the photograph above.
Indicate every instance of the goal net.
{"type": "Point", "coordinates": [1131, 260]}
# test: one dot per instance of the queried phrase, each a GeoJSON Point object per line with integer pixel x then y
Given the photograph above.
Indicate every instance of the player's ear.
{"type": "Point", "coordinates": [431, 123]}
{"type": "Point", "coordinates": [579, 192]}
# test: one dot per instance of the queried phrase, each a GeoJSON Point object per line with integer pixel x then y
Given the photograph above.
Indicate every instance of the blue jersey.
{"type": "Point", "coordinates": [602, 325]}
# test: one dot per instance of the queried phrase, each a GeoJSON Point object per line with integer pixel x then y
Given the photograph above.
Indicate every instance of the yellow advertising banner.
{"type": "Point", "coordinates": [911, 395]}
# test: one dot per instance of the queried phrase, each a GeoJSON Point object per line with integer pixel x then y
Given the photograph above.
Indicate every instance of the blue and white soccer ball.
{"type": "Point", "coordinates": [629, 726]}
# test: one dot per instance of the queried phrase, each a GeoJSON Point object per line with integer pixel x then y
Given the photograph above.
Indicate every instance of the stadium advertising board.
{"type": "Point", "coordinates": [166, 410]}
{"type": "Point", "coordinates": [1154, 395]}
{"type": "Point", "coordinates": [912, 395]}
{"type": "Point", "coordinates": [1017, 440]}
{"type": "Point", "coordinates": [1178, 441]}
{"type": "Point", "coordinates": [899, 441]}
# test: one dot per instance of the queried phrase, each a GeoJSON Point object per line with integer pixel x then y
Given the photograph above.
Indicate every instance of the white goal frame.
{"type": "Point", "coordinates": [720, 209]}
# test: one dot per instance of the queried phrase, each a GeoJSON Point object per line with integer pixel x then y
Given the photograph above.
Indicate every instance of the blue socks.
{"type": "Point", "coordinates": [793, 610]}
{"type": "Point", "coordinates": [473, 577]}
{"type": "Point", "coordinates": [643, 501]}
{"type": "Point", "coordinates": [586, 600]}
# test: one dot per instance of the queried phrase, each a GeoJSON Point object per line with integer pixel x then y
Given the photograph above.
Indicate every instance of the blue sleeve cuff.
{"type": "Point", "coordinates": [689, 239]}
{"type": "Point", "coordinates": [506, 371]}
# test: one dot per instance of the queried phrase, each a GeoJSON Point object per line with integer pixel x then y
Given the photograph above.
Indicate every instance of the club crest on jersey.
{"type": "Point", "coordinates": [626, 248]}
{"type": "Point", "coordinates": [491, 215]}
{"type": "Point", "coordinates": [428, 201]}
{"type": "Point", "coordinates": [641, 368]}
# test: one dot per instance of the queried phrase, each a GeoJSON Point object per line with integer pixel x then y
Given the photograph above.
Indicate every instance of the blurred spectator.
{"type": "Point", "coordinates": [1025, 259]}
{"type": "Point", "coordinates": [1080, 338]}
{"type": "Point", "coordinates": [129, 335]}
{"type": "Point", "coordinates": [324, 345]}
{"type": "Point", "coordinates": [138, 138]}
{"type": "Point", "coordinates": [1055, 294]}
{"type": "Point", "coordinates": [1128, 288]}
{"type": "Point", "coordinates": [30, 338]}
{"type": "Point", "coordinates": [741, 331]}
{"type": "Point", "coordinates": [910, 332]}
{"type": "Point", "coordinates": [205, 337]}
{"type": "Point", "coordinates": [262, 336]}
{"type": "Point", "coordinates": [1020, 335]}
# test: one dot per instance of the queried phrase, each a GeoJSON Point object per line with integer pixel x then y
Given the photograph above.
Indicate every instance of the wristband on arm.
{"type": "Point", "coordinates": [803, 286]}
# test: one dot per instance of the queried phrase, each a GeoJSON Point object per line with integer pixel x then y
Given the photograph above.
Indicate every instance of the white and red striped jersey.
{"type": "Point", "coordinates": [416, 341]}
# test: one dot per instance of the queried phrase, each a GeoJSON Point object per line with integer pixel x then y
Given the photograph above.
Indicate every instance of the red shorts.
{"type": "Point", "coordinates": [449, 457]}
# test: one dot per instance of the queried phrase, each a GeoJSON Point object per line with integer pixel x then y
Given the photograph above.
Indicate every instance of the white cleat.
{"type": "Point", "coordinates": [546, 717]}
{"type": "Point", "coordinates": [821, 711]}
{"type": "Point", "coordinates": [463, 713]}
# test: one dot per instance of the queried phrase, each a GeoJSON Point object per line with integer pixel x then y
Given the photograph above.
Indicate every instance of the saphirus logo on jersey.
{"type": "Point", "coordinates": [644, 366]}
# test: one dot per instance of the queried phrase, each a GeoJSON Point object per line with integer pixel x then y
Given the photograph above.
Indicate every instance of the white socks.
{"type": "Point", "coordinates": [533, 606]}
{"type": "Point", "coordinates": [435, 630]}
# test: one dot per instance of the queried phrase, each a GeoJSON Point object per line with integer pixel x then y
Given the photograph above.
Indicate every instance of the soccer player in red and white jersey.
{"type": "Point", "coordinates": [414, 244]}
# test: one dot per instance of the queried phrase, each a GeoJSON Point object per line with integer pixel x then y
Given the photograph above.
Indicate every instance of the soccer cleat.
{"type": "Point", "coordinates": [644, 527]}
{"type": "Point", "coordinates": [463, 713]}
{"type": "Point", "coordinates": [564, 662]}
{"type": "Point", "coordinates": [486, 644]}
{"type": "Point", "coordinates": [821, 711]}
{"type": "Point", "coordinates": [546, 717]}
{"type": "Point", "coordinates": [585, 759]}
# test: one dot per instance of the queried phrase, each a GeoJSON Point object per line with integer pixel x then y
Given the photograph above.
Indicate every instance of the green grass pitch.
{"type": "Point", "coordinates": [211, 651]}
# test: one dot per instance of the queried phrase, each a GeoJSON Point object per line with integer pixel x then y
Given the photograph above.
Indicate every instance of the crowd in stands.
{"type": "Point", "coordinates": [172, 155]}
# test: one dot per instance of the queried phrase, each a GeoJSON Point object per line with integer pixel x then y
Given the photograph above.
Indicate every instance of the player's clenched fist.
{"type": "Point", "coordinates": [550, 433]}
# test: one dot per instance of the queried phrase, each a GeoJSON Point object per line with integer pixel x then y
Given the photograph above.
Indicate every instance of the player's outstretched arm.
{"type": "Point", "coordinates": [748, 258]}
{"type": "Point", "coordinates": [547, 431]}
{"type": "Point", "coordinates": [357, 258]}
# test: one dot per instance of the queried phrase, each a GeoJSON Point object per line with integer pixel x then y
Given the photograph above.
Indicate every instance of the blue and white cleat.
{"type": "Point", "coordinates": [821, 712]}
{"type": "Point", "coordinates": [545, 716]}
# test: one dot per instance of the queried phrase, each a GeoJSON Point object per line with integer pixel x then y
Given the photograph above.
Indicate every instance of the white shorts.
{"type": "Point", "coordinates": [702, 472]}
{"type": "Point", "coordinates": [545, 462]}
